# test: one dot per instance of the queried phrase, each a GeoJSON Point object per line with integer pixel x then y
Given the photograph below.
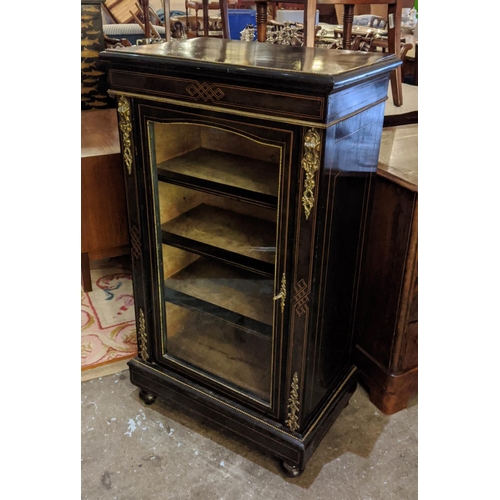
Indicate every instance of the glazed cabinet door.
{"type": "Point", "coordinates": [218, 195]}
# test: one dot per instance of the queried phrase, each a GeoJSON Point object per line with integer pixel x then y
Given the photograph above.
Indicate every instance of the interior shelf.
{"type": "Point", "coordinates": [239, 239]}
{"type": "Point", "coordinates": [221, 349]}
{"type": "Point", "coordinates": [234, 295]}
{"type": "Point", "coordinates": [224, 173]}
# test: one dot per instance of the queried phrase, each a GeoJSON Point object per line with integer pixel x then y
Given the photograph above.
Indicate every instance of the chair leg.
{"type": "Point", "coordinates": [310, 23]}
{"type": "Point", "coordinates": [87, 280]}
{"type": "Point", "coordinates": [205, 17]}
{"type": "Point", "coordinates": [397, 86]}
{"type": "Point", "coordinates": [347, 25]}
{"type": "Point", "coordinates": [224, 19]}
{"type": "Point", "coordinates": [261, 18]}
{"type": "Point", "coordinates": [394, 44]}
{"type": "Point", "coordinates": [166, 20]}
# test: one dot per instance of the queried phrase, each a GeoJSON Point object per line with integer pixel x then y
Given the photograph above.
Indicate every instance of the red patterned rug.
{"type": "Point", "coordinates": [108, 319]}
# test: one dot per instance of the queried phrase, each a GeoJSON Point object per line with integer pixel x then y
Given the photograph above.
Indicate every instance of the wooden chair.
{"type": "Point", "coordinates": [383, 45]}
{"type": "Point", "coordinates": [309, 7]}
{"type": "Point", "coordinates": [119, 10]}
{"type": "Point", "coordinates": [205, 6]}
{"type": "Point", "coordinates": [132, 11]}
{"type": "Point", "coordinates": [394, 10]}
{"type": "Point", "coordinates": [407, 113]}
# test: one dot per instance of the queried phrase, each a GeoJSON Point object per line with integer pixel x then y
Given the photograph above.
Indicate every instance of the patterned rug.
{"type": "Point", "coordinates": [108, 319]}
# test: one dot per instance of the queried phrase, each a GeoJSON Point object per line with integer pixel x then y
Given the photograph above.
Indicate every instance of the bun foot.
{"type": "Point", "coordinates": [291, 470]}
{"type": "Point", "coordinates": [148, 397]}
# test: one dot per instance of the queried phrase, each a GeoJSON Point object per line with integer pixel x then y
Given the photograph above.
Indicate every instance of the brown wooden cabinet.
{"type": "Point", "coordinates": [387, 316]}
{"type": "Point", "coordinates": [248, 169]}
{"type": "Point", "coordinates": [104, 228]}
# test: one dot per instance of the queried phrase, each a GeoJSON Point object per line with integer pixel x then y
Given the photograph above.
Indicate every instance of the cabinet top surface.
{"type": "Point", "coordinates": [398, 158]}
{"type": "Point", "coordinates": [234, 56]}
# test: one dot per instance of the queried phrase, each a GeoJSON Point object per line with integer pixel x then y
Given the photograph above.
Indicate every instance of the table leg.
{"type": "Point", "coordinates": [347, 25]}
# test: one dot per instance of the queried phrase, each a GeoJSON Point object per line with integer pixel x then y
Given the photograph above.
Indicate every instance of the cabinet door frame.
{"type": "Point", "coordinates": [282, 135]}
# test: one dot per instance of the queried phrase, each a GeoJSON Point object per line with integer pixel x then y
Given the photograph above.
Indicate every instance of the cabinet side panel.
{"type": "Point", "coordinates": [103, 206]}
{"type": "Point", "coordinates": [351, 154]}
{"type": "Point", "coordinates": [383, 271]}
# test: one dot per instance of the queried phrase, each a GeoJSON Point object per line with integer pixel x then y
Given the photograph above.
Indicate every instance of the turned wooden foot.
{"type": "Point", "coordinates": [148, 397]}
{"type": "Point", "coordinates": [291, 470]}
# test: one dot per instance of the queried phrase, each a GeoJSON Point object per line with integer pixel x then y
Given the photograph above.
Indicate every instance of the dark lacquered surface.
{"type": "Point", "coordinates": [333, 65]}
{"type": "Point", "coordinates": [259, 92]}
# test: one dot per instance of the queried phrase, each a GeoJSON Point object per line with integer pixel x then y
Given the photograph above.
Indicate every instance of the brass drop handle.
{"type": "Point", "coordinates": [282, 295]}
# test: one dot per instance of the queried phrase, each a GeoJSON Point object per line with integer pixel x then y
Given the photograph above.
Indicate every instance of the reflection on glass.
{"type": "Point", "coordinates": [217, 201]}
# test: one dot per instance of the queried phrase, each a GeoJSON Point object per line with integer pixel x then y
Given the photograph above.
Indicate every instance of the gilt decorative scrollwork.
{"type": "Point", "coordinates": [293, 420]}
{"type": "Point", "coordinates": [310, 163]}
{"type": "Point", "coordinates": [125, 126]}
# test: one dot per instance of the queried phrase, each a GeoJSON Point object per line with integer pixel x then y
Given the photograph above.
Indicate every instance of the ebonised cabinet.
{"type": "Point", "coordinates": [248, 171]}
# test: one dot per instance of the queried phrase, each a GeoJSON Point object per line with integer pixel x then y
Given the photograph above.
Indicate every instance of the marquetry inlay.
{"type": "Point", "coordinates": [125, 125]}
{"type": "Point", "coordinates": [205, 91]}
{"type": "Point", "coordinates": [135, 242]}
{"type": "Point", "coordinates": [301, 297]}
{"type": "Point", "coordinates": [293, 420]}
{"type": "Point", "coordinates": [310, 163]}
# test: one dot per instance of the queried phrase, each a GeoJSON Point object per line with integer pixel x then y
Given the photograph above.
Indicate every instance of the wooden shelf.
{"type": "Point", "coordinates": [239, 239]}
{"type": "Point", "coordinates": [225, 174]}
{"type": "Point", "coordinates": [234, 295]}
{"type": "Point", "coordinates": [220, 349]}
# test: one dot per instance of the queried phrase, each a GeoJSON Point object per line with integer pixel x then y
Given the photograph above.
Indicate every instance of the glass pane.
{"type": "Point", "coordinates": [217, 205]}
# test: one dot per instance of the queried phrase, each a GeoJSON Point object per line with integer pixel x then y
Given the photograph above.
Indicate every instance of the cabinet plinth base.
{"type": "Point", "coordinates": [395, 393]}
{"type": "Point", "coordinates": [291, 448]}
{"type": "Point", "coordinates": [389, 392]}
